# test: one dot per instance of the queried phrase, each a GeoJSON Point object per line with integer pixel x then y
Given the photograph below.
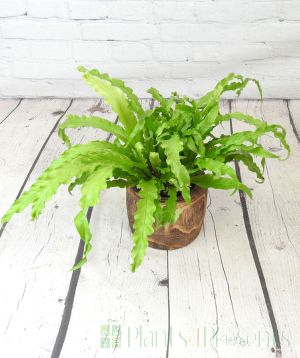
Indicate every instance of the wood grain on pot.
{"type": "Point", "coordinates": [185, 230]}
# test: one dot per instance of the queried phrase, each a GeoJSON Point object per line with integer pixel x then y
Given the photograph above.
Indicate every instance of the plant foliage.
{"type": "Point", "coordinates": [162, 151]}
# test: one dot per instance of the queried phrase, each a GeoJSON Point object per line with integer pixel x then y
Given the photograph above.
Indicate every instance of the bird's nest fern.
{"type": "Point", "coordinates": [161, 151]}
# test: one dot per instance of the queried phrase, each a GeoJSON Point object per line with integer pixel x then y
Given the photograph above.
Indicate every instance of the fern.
{"type": "Point", "coordinates": [161, 151]}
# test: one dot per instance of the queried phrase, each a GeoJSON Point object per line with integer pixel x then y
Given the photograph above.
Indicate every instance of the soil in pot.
{"type": "Point", "coordinates": [185, 230]}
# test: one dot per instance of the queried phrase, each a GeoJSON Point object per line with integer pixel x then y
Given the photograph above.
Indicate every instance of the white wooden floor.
{"type": "Point", "coordinates": [234, 292]}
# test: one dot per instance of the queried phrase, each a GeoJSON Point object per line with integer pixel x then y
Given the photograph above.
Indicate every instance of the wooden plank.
{"type": "Point", "coordinates": [7, 106]}
{"type": "Point", "coordinates": [21, 136]}
{"type": "Point", "coordinates": [109, 294]}
{"type": "Point", "coordinates": [36, 258]}
{"type": "Point", "coordinates": [274, 218]}
{"type": "Point", "coordinates": [217, 308]}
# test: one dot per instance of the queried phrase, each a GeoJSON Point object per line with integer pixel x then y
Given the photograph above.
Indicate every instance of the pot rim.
{"type": "Point", "coordinates": [196, 191]}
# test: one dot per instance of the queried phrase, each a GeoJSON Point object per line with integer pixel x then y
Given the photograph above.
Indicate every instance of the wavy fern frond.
{"type": "Point", "coordinates": [248, 161]}
{"type": "Point", "coordinates": [216, 182]}
{"type": "Point", "coordinates": [113, 96]}
{"type": "Point", "coordinates": [74, 121]}
{"type": "Point", "coordinates": [165, 103]}
{"type": "Point", "coordinates": [168, 215]}
{"type": "Point", "coordinates": [133, 101]}
{"type": "Point", "coordinates": [47, 184]}
{"type": "Point", "coordinates": [82, 225]}
{"type": "Point", "coordinates": [73, 163]}
{"type": "Point", "coordinates": [90, 190]}
{"type": "Point", "coordinates": [143, 220]}
{"type": "Point", "coordinates": [215, 166]}
{"type": "Point", "coordinates": [172, 148]}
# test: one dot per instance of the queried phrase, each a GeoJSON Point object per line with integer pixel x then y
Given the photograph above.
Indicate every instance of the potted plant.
{"type": "Point", "coordinates": [166, 157]}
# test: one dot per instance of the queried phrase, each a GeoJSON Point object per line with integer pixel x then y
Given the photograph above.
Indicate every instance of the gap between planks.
{"type": "Point", "coordinates": [255, 256]}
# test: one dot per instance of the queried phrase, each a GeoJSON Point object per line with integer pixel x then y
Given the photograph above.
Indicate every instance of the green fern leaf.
{"type": "Point", "coordinates": [143, 220]}
{"type": "Point", "coordinates": [82, 225]}
{"type": "Point", "coordinates": [172, 148]}
{"type": "Point", "coordinates": [248, 161]}
{"type": "Point", "coordinates": [91, 189]}
{"type": "Point", "coordinates": [168, 214]}
{"type": "Point", "coordinates": [216, 166]}
{"type": "Point", "coordinates": [115, 97]}
{"type": "Point", "coordinates": [94, 184]}
{"type": "Point", "coordinates": [133, 101]}
{"type": "Point", "coordinates": [74, 121]}
{"type": "Point", "coordinates": [74, 162]}
{"type": "Point", "coordinates": [216, 182]}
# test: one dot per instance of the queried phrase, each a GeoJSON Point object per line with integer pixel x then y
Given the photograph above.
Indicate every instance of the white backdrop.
{"type": "Point", "coordinates": [172, 45]}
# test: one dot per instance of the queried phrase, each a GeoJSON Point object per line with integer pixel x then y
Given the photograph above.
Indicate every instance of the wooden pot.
{"type": "Point", "coordinates": [184, 231]}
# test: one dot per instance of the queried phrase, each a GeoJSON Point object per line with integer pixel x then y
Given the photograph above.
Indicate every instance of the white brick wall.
{"type": "Point", "coordinates": [181, 45]}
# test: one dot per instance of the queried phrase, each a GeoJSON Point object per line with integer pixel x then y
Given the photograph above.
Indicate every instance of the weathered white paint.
{"type": "Point", "coordinates": [274, 215]}
{"type": "Point", "coordinates": [6, 107]}
{"type": "Point", "coordinates": [172, 44]}
{"type": "Point", "coordinates": [113, 295]}
{"type": "Point", "coordinates": [216, 302]}
{"type": "Point", "coordinates": [36, 257]}
{"type": "Point", "coordinates": [22, 135]}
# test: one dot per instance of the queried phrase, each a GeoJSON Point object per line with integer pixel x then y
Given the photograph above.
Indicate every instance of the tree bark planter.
{"type": "Point", "coordinates": [184, 231]}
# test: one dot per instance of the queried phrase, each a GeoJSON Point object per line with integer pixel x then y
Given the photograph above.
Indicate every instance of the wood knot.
{"type": "Point", "coordinates": [164, 282]}
{"type": "Point", "coordinates": [57, 113]}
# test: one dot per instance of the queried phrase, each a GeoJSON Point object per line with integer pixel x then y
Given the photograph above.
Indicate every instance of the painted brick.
{"type": "Point", "coordinates": [87, 10]}
{"type": "Point", "coordinates": [172, 52]}
{"type": "Point", "coordinates": [43, 70]}
{"type": "Point", "coordinates": [183, 45]}
{"type": "Point", "coordinates": [4, 68]}
{"type": "Point", "coordinates": [287, 68]}
{"type": "Point", "coordinates": [118, 31]}
{"type": "Point", "coordinates": [16, 88]}
{"type": "Point", "coordinates": [15, 49]}
{"type": "Point", "coordinates": [204, 70]}
{"type": "Point", "coordinates": [290, 10]}
{"type": "Point", "coordinates": [47, 9]}
{"type": "Point", "coordinates": [90, 51]}
{"type": "Point", "coordinates": [200, 32]}
{"type": "Point", "coordinates": [124, 52]}
{"type": "Point", "coordinates": [12, 8]}
{"type": "Point", "coordinates": [51, 50]}
{"type": "Point", "coordinates": [286, 49]}
{"type": "Point", "coordinates": [166, 10]}
{"type": "Point", "coordinates": [280, 31]}
{"type": "Point", "coordinates": [229, 11]}
{"type": "Point", "coordinates": [130, 10]}
{"type": "Point", "coordinates": [240, 52]}
{"type": "Point", "coordinates": [203, 51]}
{"type": "Point", "coordinates": [46, 30]}
{"type": "Point", "coordinates": [138, 71]}
{"type": "Point", "coordinates": [169, 86]}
